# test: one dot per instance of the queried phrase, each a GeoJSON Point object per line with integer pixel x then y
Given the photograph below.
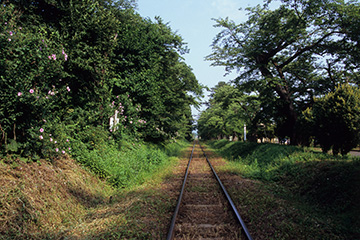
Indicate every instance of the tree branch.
{"type": "Point", "coordinates": [307, 48]}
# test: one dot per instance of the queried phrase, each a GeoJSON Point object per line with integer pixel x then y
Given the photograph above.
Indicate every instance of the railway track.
{"type": "Point", "coordinates": [204, 209]}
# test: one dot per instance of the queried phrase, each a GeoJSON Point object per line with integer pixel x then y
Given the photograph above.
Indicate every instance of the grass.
{"type": "Point", "coordinates": [310, 191]}
{"type": "Point", "coordinates": [288, 193]}
{"type": "Point", "coordinates": [130, 165]}
{"type": "Point", "coordinates": [136, 212]}
{"type": "Point", "coordinates": [62, 199]}
{"type": "Point", "coordinates": [39, 200]}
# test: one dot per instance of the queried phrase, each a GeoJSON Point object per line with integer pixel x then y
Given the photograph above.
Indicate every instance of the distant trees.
{"type": "Point", "coordinates": [70, 65]}
{"type": "Point", "coordinates": [228, 110]}
{"type": "Point", "coordinates": [290, 55]}
{"type": "Point", "coordinates": [333, 121]}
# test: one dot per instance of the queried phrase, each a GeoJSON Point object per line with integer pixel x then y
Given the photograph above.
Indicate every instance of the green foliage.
{"type": "Point", "coordinates": [67, 67]}
{"type": "Point", "coordinates": [259, 160]}
{"type": "Point", "coordinates": [156, 78]}
{"type": "Point", "coordinates": [293, 165]}
{"type": "Point", "coordinates": [70, 68]}
{"type": "Point", "coordinates": [290, 54]}
{"type": "Point", "coordinates": [130, 165]}
{"type": "Point", "coordinates": [337, 119]}
{"type": "Point", "coordinates": [31, 78]}
{"type": "Point", "coordinates": [173, 149]}
{"type": "Point", "coordinates": [228, 110]}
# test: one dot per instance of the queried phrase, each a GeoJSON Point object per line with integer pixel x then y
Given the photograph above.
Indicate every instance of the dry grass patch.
{"type": "Point", "coordinates": [41, 200]}
{"type": "Point", "coordinates": [143, 212]}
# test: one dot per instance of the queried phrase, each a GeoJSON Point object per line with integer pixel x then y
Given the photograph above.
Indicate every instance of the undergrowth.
{"type": "Point", "coordinates": [127, 165]}
{"type": "Point", "coordinates": [328, 186]}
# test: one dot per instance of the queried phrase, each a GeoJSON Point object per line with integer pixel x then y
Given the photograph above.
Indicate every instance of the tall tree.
{"type": "Point", "coordinates": [152, 72]}
{"type": "Point", "coordinates": [287, 50]}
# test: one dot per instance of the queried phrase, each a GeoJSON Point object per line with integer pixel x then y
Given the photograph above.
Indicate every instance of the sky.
{"type": "Point", "coordinates": [193, 21]}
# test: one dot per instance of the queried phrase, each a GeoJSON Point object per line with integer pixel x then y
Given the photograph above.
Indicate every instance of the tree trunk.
{"type": "Point", "coordinates": [285, 96]}
{"type": "Point", "coordinates": [290, 113]}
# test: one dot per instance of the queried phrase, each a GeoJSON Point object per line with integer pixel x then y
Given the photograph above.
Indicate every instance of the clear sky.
{"type": "Point", "coordinates": [192, 20]}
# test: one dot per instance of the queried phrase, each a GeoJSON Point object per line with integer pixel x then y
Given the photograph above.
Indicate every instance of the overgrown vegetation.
{"type": "Point", "coordinates": [86, 81]}
{"type": "Point", "coordinates": [131, 165]}
{"type": "Point", "coordinates": [53, 200]}
{"type": "Point", "coordinates": [335, 120]}
{"type": "Point", "coordinates": [87, 71]}
{"type": "Point", "coordinates": [326, 187]}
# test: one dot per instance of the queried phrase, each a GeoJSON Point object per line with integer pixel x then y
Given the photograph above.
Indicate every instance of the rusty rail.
{"type": "Point", "coordinates": [245, 232]}
{"type": "Point", "coordinates": [173, 220]}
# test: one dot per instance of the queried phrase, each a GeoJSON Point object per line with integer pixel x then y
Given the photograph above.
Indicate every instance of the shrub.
{"type": "Point", "coordinates": [173, 149]}
{"type": "Point", "coordinates": [337, 119]}
{"type": "Point", "coordinates": [32, 89]}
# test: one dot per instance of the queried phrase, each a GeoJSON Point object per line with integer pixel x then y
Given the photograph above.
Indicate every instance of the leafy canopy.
{"type": "Point", "coordinates": [300, 50]}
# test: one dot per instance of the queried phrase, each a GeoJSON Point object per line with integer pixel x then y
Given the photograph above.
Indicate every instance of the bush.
{"type": "Point", "coordinates": [55, 71]}
{"type": "Point", "coordinates": [173, 149]}
{"type": "Point", "coordinates": [337, 119]}
{"type": "Point", "coordinates": [31, 73]}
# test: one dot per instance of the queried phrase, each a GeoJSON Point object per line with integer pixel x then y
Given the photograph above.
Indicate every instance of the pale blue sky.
{"type": "Point", "coordinates": [192, 19]}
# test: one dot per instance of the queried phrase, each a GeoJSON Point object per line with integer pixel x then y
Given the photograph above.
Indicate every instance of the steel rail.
{"type": "Point", "coordinates": [242, 223]}
{"type": "Point", "coordinates": [173, 220]}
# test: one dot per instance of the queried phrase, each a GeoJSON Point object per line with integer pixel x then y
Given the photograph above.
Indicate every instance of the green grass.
{"type": "Point", "coordinates": [130, 165]}
{"type": "Point", "coordinates": [324, 186]}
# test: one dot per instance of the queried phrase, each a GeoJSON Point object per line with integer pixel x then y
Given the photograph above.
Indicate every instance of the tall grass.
{"type": "Point", "coordinates": [129, 165]}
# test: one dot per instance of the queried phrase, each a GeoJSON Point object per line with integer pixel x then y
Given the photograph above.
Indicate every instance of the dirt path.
{"type": "Point", "coordinates": [204, 212]}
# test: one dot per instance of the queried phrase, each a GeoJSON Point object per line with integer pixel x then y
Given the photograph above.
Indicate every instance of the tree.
{"type": "Point", "coordinates": [229, 109]}
{"type": "Point", "coordinates": [152, 72]}
{"type": "Point", "coordinates": [211, 123]}
{"type": "Point", "coordinates": [101, 57]}
{"type": "Point", "coordinates": [288, 50]}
